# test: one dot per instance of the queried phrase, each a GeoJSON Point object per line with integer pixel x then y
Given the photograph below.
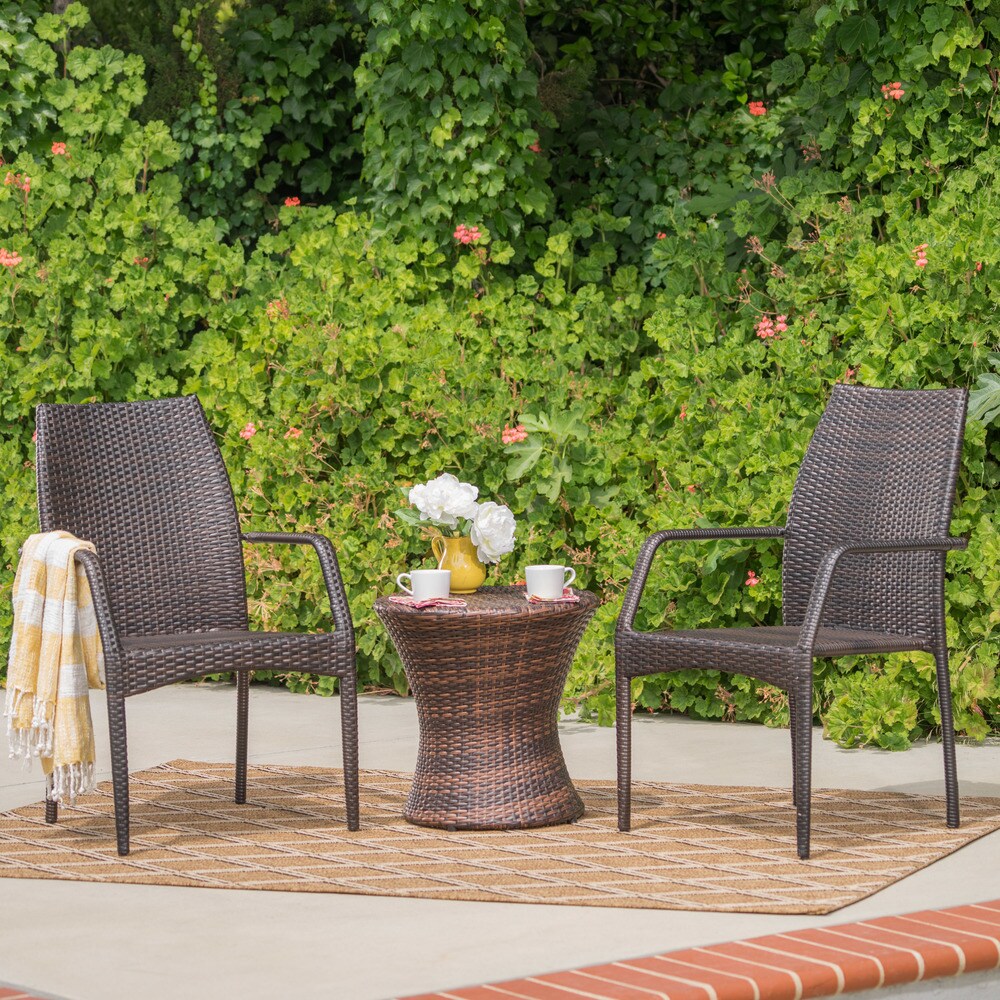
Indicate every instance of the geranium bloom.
{"type": "Point", "coordinates": [535, 147]}
{"type": "Point", "coordinates": [756, 108]}
{"type": "Point", "coordinates": [248, 431]}
{"type": "Point", "coordinates": [292, 203]}
{"type": "Point", "coordinates": [892, 90]}
{"type": "Point", "coordinates": [444, 500]}
{"type": "Point", "coordinates": [920, 255]}
{"type": "Point", "coordinates": [661, 236]}
{"type": "Point", "coordinates": [59, 148]}
{"type": "Point", "coordinates": [492, 531]}
{"type": "Point", "coordinates": [9, 258]}
{"type": "Point", "coordinates": [140, 261]}
{"type": "Point", "coordinates": [293, 432]}
{"type": "Point", "coordinates": [781, 323]}
{"type": "Point", "coordinates": [511, 435]}
{"type": "Point", "coordinates": [765, 328]}
{"type": "Point", "coordinates": [752, 578]}
{"type": "Point", "coordinates": [466, 234]}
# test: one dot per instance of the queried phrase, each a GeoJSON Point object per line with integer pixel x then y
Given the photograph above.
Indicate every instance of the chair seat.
{"type": "Point", "coordinates": [749, 650]}
{"type": "Point", "coordinates": [165, 658]}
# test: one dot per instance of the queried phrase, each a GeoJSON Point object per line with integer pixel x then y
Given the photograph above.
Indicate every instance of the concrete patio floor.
{"type": "Point", "coordinates": [86, 941]}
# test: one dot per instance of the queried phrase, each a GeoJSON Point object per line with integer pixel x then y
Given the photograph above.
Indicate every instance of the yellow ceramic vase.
{"type": "Point", "coordinates": [459, 555]}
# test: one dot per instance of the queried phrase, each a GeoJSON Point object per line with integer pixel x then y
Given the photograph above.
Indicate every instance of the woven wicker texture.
{"type": "Point", "coordinates": [487, 680]}
{"type": "Point", "coordinates": [694, 848]}
{"type": "Point", "coordinates": [145, 482]}
{"type": "Point", "coordinates": [862, 573]}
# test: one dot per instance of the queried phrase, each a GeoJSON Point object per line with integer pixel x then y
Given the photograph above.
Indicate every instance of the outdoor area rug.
{"type": "Point", "coordinates": [692, 847]}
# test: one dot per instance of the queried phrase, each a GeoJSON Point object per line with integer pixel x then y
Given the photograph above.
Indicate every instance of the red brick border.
{"type": "Point", "coordinates": [817, 962]}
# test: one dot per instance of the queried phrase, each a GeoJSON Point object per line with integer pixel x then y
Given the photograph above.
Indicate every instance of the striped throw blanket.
{"type": "Point", "coordinates": [55, 656]}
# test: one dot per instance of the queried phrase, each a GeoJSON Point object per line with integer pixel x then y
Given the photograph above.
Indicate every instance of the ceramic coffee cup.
{"type": "Point", "coordinates": [547, 582]}
{"type": "Point", "coordinates": [425, 584]}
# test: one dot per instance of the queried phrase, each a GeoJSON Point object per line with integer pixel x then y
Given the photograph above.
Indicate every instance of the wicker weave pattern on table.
{"type": "Point", "coordinates": [145, 482]}
{"type": "Point", "coordinates": [487, 680]}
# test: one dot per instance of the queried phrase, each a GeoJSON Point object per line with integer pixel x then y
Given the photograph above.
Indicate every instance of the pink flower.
{"type": "Point", "coordinates": [248, 431]}
{"type": "Point", "coordinates": [466, 234]}
{"type": "Point", "coordinates": [21, 183]}
{"type": "Point", "coordinates": [277, 308]}
{"type": "Point", "coordinates": [293, 432]}
{"type": "Point", "coordinates": [141, 261]}
{"type": "Point", "coordinates": [781, 324]}
{"type": "Point", "coordinates": [684, 411]}
{"type": "Point", "coordinates": [756, 108]}
{"type": "Point", "coordinates": [691, 488]}
{"type": "Point", "coordinates": [920, 255]}
{"type": "Point", "coordinates": [9, 258]}
{"type": "Point", "coordinates": [512, 435]}
{"type": "Point", "coordinates": [34, 435]}
{"type": "Point", "coordinates": [765, 328]}
{"type": "Point", "coordinates": [979, 265]}
{"type": "Point", "coordinates": [292, 203]}
{"type": "Point", "coordinates": [892, 90]}
{"type": "Point", "coordinates": [661, 236]}
{"type": "Point", "coordinates": [59, 148]}
{"type": "Point", "coordinates": [535, 147]}
{"type": "Point", "coordinates": [752, 578]}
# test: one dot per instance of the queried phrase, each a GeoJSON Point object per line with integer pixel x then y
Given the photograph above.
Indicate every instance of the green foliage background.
{"type": "Point", "coordinates": [638, 225]}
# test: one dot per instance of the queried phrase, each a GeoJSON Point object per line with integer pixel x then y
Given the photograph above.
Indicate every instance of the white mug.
{"type": "Point", "coordinates": [548, 582]}
{"type": "Point", "coordinates": [426, 584]}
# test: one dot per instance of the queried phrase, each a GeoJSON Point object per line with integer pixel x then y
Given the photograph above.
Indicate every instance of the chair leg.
{"type": "Point", "coordinates": [349, 738]}
{"type": "Point", "coordinates": [119, 769]}
{"type": "Point", "coordinates": [51, 811]}
{"type": "Point", "coordinates": [242, 720]}
{"type": "Point", "coordinates": [947, 736]}
{"type": "Point", "coordinates": [623, 737]}
{"type": "Point", "coordinates": [802, 754]}
{"type": "Point", "coordinates": [792, 713]}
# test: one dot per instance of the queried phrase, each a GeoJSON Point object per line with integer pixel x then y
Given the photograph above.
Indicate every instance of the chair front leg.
{"type": "Point", "coordinates": [947, 735]}
{"type": "Point", "coordinates": [623, 738]}
{"type": "Point", "coordinates": [242, 726]}
{"type": "Point", "coordinates": [792, 713]}
{"type": "Point", "coordinates": [119, 767]}
{"type": "Point", "coordinates": [801, 692]}
{"type": "Point", "coordinates": [349, 743]}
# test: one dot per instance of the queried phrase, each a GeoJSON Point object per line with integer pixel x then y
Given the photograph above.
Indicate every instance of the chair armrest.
{"type": "Point", "coordinates": [642, 564]}
{"type": "Point", "coordinates": [110, 640]}
{"type": "Point", "coordinates": [328, 563]}
{"type": "Point", "coordinates": [827, 568]}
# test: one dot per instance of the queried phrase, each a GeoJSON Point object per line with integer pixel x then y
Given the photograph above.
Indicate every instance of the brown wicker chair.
{"type": "Point", "coordinates": [863, 571]}
{"type": "Point", "coordinates": [145, 482]}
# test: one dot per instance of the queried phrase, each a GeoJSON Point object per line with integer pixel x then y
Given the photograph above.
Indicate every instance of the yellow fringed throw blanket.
{"type": "Point", "coordinates": [55, 657]}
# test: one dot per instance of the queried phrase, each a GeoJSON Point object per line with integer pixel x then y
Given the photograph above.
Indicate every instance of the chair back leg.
{"type": "Point", "coordinates": [242, 724]}
{"type": "Point", "coordinates": [947, 735]}
{"type": "Point", "coordinates": [623, 738]}
{"type": "Point", "coordinates": [349, 740]}
{"type": "Point", "coordinates": [801, 722]}
{"type": "Point", "coordinates": [119, 768]}
{"type": "Point", "coordinates": [51, 811]}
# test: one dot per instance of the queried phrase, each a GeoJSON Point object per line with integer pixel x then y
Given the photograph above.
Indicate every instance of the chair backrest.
{"type": "Point", "coordinates": [145, 482]}
{"type": "Point", "coordinates": [882, 464]}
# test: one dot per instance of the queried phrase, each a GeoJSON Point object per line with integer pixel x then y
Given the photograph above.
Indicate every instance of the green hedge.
{"type": "Point", "coordinates": [635, 360]}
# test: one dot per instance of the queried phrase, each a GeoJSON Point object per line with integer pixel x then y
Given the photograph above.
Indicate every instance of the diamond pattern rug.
{"type": "Point", "coordinates": [692, 847]}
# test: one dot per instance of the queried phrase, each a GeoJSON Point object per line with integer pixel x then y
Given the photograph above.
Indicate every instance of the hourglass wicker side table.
{"type": "Point", "coordinates": [487, 680]}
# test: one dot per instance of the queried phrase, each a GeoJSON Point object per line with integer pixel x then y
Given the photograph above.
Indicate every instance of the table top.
{"type": "Point", "coordinates": [493, 601]}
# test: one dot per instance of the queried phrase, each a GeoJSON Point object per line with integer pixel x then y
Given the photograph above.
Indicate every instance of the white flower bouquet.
{"type": "Point", "coordinates": [446, 505]}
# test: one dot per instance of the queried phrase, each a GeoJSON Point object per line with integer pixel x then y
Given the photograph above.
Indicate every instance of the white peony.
{"type": "Point", "coordinates": [492, 531]}
{"type": "Point", "coordinates": [445, 500]}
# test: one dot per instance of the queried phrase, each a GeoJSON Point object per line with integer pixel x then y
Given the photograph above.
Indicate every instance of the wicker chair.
{"type": "Point", "coordinates": [145, 482]}
{"type": "Point", "coordinates": [863, 571]}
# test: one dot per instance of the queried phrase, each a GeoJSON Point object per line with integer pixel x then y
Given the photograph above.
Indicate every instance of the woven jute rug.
{"type": "Point", "coordinates": [692, 847]}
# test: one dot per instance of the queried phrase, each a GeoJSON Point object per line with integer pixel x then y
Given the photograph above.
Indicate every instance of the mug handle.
{"type": "Point", "coordinates": [570, 578]}
{"type": "Point", "coordinates": [438, 548]}
{"type": "Point", "coordinates": [402, 586]}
